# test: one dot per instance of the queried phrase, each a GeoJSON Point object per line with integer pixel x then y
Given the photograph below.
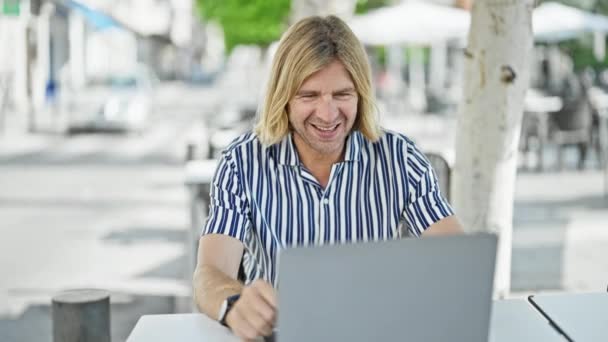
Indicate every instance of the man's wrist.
{"type": "Point", "coordinates": [226, 307]}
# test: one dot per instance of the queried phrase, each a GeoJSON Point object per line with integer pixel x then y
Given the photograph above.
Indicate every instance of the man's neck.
{"type": "Point", "coordinates": [321, 169]}
{"type": "Point", "coordinates": [318, 164]}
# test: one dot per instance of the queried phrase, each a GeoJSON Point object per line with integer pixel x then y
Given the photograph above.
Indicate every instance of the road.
{"type": "Point", "coordinates": [96, 210]}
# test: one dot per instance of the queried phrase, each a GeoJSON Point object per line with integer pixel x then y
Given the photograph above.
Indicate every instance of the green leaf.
{"type": "Point", "coordinates": [258, 22]}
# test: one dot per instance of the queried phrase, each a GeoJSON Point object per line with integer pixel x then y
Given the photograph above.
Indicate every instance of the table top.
{"type": "Point", "coordinates": [200, 171]}
{"type": "Point", "coordinates": [537, 102]}
{"type": "Point", "coordinates": [517, 320]}
{"type": "Point", "coordinates": [512, 320]}
{"type": "Point", "coordinates": [582, 316]}
{"type": "Point", "coordinates": [599, 98]}
{"type": "Point", "coordinates": [180, 327]}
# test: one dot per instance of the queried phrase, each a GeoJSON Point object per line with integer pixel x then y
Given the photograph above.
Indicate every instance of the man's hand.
{"type": "Point", "coordinates": [254, 313]}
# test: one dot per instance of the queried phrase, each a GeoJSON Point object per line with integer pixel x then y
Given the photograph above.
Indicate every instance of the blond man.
{"type": "Point", "coordinates": [316, 170]}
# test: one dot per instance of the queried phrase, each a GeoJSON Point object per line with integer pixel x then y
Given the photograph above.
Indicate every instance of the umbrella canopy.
{"type": "Point", "coordinates": [554, 22]}
{"type": "Point", "coordinates": [420, 23]}
{"type": "Point", "coordinates": [411, 22]}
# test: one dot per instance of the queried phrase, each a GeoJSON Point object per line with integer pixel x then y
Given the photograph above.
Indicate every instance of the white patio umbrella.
{"type": "Point", "coordinates": [421, 23]}
{"type": "Point", "coordinates": [553, 22]}
{"type": "Point", "coordinates": [412, 22]}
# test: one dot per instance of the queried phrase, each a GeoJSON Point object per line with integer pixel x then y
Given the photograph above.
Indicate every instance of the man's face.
{"type": "Point", "coordinates": [323, 112]}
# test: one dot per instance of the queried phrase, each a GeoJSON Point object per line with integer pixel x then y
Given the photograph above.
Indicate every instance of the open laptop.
{"type": "Point", "coordinates": [430, 289]}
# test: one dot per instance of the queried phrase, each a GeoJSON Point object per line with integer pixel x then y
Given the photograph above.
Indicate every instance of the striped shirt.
{"type": "Point", "coordinates": [264, 197]}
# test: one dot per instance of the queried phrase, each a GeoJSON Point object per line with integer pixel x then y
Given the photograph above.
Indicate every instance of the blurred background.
{"type": "Point", "coordinates": [104, 104]}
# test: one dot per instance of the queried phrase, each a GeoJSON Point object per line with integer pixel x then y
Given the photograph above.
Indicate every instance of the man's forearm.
{"type": "Point", "coordinates": [447, 226]}
{"type": "Point", "coordinates": [211, 287]}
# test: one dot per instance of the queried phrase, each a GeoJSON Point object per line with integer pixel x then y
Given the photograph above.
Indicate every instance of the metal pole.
{"type": "Point", "coordinates": [603, 132]}
{"type": "Point", "coordinates": [81, 316]}
{"type": "Point", "coordinates": [4, 84]}
{"type": "Point", "coordinates": [190, 152]}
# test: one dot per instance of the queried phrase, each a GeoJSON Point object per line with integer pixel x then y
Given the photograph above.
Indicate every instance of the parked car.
{"type": "Point", "coordinates": [114, 104]}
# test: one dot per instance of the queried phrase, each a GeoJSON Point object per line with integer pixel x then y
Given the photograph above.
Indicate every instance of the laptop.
{"type": "Point", "coordinates": [430, 289]}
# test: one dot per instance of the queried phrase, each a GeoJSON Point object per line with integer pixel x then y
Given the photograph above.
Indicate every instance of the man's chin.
{"type": "Point", "coordinates": [327, 148]}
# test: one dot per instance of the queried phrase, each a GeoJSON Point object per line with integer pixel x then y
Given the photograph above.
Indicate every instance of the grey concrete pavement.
{"type": "Point", "coordinates": [96, 210]}
{"type": "Point", "coordinates": [560, 236]}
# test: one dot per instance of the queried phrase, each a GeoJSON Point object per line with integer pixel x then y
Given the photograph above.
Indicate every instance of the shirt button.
{"type": "Point", "coordinates": [326, 201]}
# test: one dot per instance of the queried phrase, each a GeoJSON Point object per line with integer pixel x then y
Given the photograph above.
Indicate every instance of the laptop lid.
{"type": "Point", "coordinates": [429, 289]}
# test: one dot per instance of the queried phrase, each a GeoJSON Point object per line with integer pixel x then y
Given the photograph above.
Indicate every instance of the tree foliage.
{"type": "Point", "coordinates": [258, 22]}
{"type": "Point", "coordinates": [366, 5]}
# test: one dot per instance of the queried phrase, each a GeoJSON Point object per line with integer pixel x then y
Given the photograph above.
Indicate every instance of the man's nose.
{"type": "Point", "coordinates": [327, 109]}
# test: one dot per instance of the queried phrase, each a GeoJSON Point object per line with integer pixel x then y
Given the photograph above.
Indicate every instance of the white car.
{"type": "Point", "coordinates": [114, 104]}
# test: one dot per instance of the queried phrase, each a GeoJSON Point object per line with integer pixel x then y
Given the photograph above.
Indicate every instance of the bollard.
{"type": "Point", "coordinates": [81, 316]}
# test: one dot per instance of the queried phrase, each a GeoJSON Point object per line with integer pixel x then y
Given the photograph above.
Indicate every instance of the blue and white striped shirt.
{"type": "Point", "coordinates": [264, 197]}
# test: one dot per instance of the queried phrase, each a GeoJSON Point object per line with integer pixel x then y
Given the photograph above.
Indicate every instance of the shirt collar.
{"type": "Point", "coordinates": [353, 146]}
{"type": "Point", "coordinates": [285, 151]}
{"type": "Point", "coordinates": [286, 154]}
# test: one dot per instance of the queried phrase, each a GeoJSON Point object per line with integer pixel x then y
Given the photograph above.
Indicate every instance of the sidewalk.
{"type": "Point", "coordinates": [560, 232]}
{"type": "Point", "coordinates": [15, 138]}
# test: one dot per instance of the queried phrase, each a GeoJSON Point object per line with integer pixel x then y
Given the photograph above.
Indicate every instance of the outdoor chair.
{"type": "Point", "coordinates": [443, 170]}
{"type": "Point", "coordinates": [573, 124]}
{"type": "Point", "coordinates": [227, 126]}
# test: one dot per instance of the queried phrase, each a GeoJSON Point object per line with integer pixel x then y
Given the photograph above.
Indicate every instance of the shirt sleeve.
{"type": "Point", "coordinates": [228, 208]}
{"type": "Point", "coordinates": [425, 203]}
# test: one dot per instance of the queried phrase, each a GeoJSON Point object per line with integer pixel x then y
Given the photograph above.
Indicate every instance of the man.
{"type": "Point", "coordinates": [316, 170]}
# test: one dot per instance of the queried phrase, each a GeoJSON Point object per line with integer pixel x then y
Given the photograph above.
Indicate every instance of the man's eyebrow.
{"type": "Point", "coordinates": [315, 92]}
{"type": "Point", "coordinates": [345, 90]}
{"type": "Point", "coordinates": [307, 92]}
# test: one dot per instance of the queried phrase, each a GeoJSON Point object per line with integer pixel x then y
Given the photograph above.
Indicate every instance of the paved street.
{"type": "Point", "coordinates": [111, 211]}
{"type": "Point", "coordinates": [96, 210]}
{"type": "Point", "coordinates": [560, 238]}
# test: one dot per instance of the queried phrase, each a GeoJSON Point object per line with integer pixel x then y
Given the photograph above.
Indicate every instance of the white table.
{"type": "Point", "coordinates": [180, 327]}
{"type": "Point", "coordinates": [536, 101]}
{"type": "Point", "coordinates": [583, 317]}
{"type": "Point", "coordinates": [512, 320]}
{"type": "Point", "coordinates": [517, 320]}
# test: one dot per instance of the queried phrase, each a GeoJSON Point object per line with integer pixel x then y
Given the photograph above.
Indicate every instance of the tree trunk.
{"type": "Point", "coordinates": [496, 79]}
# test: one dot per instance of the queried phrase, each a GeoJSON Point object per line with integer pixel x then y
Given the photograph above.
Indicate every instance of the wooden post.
{"type": "Point", "coordinates": [81, 316]}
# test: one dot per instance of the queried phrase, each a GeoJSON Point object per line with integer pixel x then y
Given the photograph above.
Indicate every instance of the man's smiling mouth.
{"type": "Point", "coordinates": [326, 128]}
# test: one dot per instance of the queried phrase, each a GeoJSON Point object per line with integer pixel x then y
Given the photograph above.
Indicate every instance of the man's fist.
{"type": "Point", "coordinates": [254, 314]}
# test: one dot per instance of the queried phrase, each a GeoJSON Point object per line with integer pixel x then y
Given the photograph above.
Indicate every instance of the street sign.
{"type": "Point", "coordinates": [10, 7]}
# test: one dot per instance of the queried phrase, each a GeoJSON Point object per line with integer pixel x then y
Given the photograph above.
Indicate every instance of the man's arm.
{"type": "Point", "coordinates": [215, 276]}
{"type": "Point", "coordinates": [215, 279]}
{"type": "Point", "coordinates": [446, 226]}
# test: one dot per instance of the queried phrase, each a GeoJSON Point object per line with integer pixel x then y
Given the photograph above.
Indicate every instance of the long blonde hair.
{"type": "Point", "coordinates": [307, 47]}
